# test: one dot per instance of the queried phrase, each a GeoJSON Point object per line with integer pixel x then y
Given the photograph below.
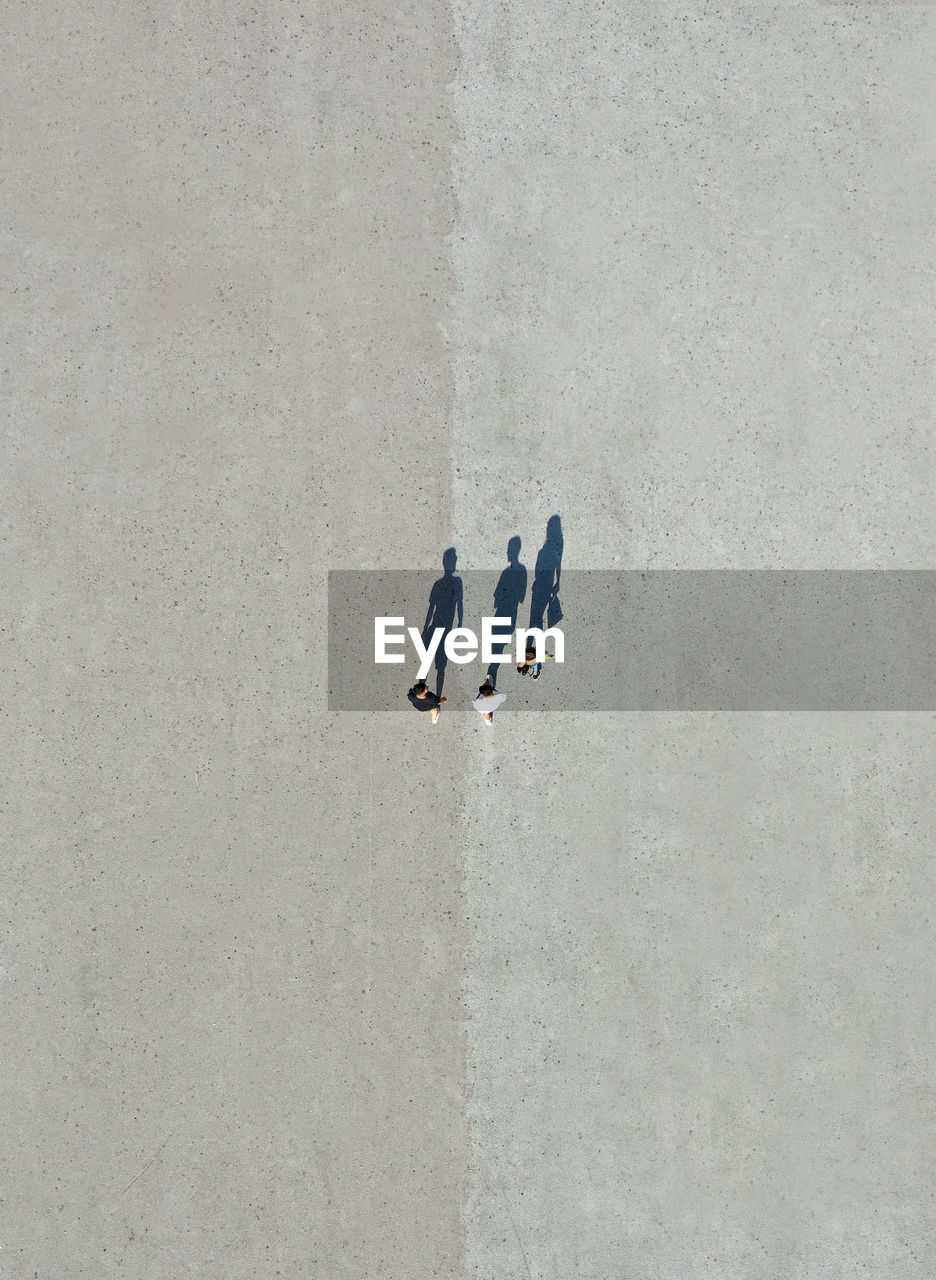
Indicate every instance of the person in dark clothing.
{"type": "Point", "coordinates": [423, 699]}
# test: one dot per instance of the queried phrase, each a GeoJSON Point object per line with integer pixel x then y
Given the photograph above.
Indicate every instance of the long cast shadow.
{"type": "Point", "coordinates": [446, 601]}
{"type": "Point", "coordinates": [509, 594]}
{"type": "Point", "coordinates": [544, 598]}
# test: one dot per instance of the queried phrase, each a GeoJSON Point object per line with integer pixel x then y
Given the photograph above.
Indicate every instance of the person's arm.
{"type": "Point", "coordinates": [460, 603]}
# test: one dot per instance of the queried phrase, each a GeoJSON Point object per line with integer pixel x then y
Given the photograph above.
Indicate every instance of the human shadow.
{"type": "Point", "coordinates": [446, 602]}
{"type": "Point", "coordinates": [545, 609]}
{"type": "Point", "coordinates": [509, 594]}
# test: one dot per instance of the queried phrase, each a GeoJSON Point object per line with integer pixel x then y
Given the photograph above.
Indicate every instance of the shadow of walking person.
{"type": "Point", "coordinates": [545, 609]}
{"type": "Point", "coordinates": [446, 601]}
{"type": "Point", "coordinates": [509, 594]}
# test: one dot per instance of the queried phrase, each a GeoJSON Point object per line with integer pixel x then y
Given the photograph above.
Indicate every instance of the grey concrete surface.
{"type": "Point", "coordinates": [292, 288]}
{"type": "Point", "coordinates": [695, 305]}
{"type": "Point", "coordinates": [642, 640]}
{"type": "Point", "coordinates": [232, 931]}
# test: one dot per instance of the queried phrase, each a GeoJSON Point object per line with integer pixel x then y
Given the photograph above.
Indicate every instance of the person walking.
{"type": "Point", "coordinates": [488, 700]}
{"type": "Point", "coordinates": [423, 699]}
{"type": "Point", "coordinates": [531, 664]}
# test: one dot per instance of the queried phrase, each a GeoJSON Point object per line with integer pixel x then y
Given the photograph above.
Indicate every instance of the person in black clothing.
{"type": "Point", "coordinates": [423, 699]}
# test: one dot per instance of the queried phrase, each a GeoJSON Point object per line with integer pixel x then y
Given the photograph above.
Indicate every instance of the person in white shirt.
{"type": "Point", "coordinates": [488, 700]}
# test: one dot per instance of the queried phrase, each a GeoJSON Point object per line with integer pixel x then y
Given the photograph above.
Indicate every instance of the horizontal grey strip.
{"type": "Point", "coordinates": [689, 640]}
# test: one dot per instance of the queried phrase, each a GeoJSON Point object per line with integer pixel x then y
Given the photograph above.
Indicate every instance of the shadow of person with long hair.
{"type": "Point", "coordinates": [509, 595]}
{"type": "Point", "coordinates": [446, 602]}
{"type": "Point", "coordinates": [545, 609]}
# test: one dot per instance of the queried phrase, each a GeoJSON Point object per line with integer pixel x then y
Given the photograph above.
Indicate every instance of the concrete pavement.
{"type": "Point", "coordinates": [309, 994]}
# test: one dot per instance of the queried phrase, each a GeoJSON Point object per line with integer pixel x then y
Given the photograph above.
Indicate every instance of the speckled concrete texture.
{"type": "Point", "coordinates": [695, 284]}
{"type": "Point", "coordinates": [293, 993]}
{"type": "Point", "coordinates": [694, 315]}
{"type": "Point", "coordinates": [231, 931]}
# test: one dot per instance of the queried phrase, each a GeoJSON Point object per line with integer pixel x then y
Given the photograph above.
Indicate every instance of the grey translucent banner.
{"type": "Point", "coordinates": [693, 640]}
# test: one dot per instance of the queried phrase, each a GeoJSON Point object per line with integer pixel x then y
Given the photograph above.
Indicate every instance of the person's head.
{"type": "Point", "coordinates": [420, 688]}
{"type": "Point", "coordinates": [487, 689]}
{"type": "Point", "coordinates": [449, 560]}
{"type": "Point", "coordinates": [530, 654]}
{"type": "Point", "coordinates": [513, 549]}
